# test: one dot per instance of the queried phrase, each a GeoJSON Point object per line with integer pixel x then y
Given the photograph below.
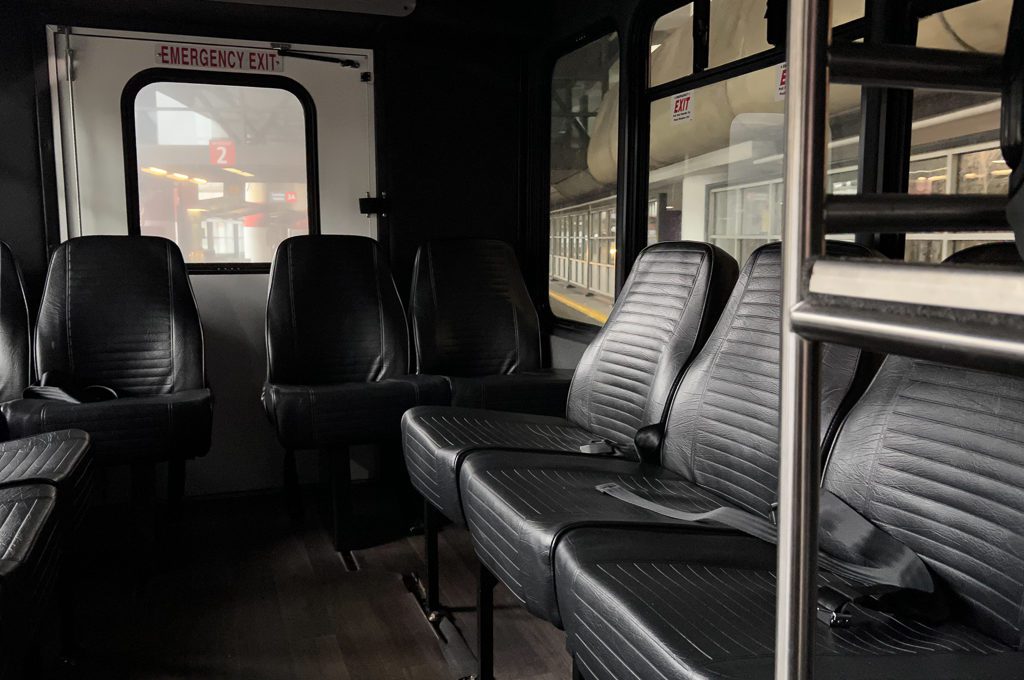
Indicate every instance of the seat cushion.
{"type": "Point", "coordinates": [124, 430]}
{"type": "Point", "coordinates": [543, 391]}
{"type": "Point", "coordinates": [317, 416]}
{"type": "Point", "coordinates": [437, 439]}
{"type": "Point", "coordinates": [519, 505]}
{"type": "Point", "coordinates": [654, 605]}
{"type": "Point", "coordinates": [29, 558]}
{"type": "Point", "coordinates": [60, 459]}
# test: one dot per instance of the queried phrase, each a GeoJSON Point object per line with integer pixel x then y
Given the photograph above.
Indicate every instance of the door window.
{"type": "Point", "coordinates": [222, 169]}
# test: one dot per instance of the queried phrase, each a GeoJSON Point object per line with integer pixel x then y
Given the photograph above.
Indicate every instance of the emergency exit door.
{"type": "Point", "coordinates": [226, 148]}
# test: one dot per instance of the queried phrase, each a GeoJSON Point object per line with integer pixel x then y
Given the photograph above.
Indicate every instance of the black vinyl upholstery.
{"type": "Point", "coordinates": [29, 563]}
{"type": "Point", "coordinates": [60, 459]}
{"type": "Point", "coordinates": [473, 322]}
{"type": "Point", "coordinates": [720, 447]}
{"type": "Point", "coordinates": [663, 314]}
{"type": "Point", "coordinates": [337, 345]}
{"type": "Point", "coordinates": [15, 338]}
{"type": "Point", "coordinates": [119, 312]}
{"type": "Point", "coordinates": [471, 313]}
{"type": "Point", "coordinates": [932, 454]}
{"type": "Point", "coordinates": [668, 606]}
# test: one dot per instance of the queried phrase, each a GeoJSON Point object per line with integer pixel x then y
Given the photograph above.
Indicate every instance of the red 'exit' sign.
{"type": "Point", "coordinates": [222, 152]}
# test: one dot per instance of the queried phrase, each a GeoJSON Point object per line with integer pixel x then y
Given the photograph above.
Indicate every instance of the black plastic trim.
{"type": "Point", "coordinates": [229, 268]}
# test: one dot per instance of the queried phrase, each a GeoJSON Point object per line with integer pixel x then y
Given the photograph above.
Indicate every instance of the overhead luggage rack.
{"type": "Point", "coordinates": [969, 316]}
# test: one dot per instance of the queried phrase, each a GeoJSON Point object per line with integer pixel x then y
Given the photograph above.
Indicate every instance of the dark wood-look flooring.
{"type": "Point", "coordinates": [236, 592]}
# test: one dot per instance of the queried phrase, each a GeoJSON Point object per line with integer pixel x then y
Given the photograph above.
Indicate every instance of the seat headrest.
{"type": "Point", "coordinates": [1003, 254]}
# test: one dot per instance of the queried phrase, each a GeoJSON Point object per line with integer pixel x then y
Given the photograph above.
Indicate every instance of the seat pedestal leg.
{"type": "Point", "coordinates": [66, 613]}
{"type": "Point", "coordinates": [431, 520]}
{"type": "Point", "coordinates": [341, 497]}
{"type": "Point", "coordinates": [293, 496]}
{"type": "Point", "coordinates": [175, 487]}
{"type": "Point", "coordinates": [486, 583]}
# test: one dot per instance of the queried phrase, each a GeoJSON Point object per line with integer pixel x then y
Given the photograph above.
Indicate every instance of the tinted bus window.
{"type": "Point", "coordinates": [955, 141]}
{"type": "Point", "coordinates": [222, 169]}
{"type": "Point", "coordinates": [672, 46]}
{"type": "Point", "coordinates": [584, 177]}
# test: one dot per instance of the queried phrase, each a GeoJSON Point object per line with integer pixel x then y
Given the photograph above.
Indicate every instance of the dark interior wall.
{"type": "Point", "coordinates": [450, 114]}
{"type": "Point", "coordinates": [21, 218]}
{"type": "Point", "coordinates": [453, 141]}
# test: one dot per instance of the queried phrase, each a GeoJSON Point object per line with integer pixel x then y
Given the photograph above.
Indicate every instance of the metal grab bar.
{"type": "Point", "coordinates": [905, 213]}
{"type": "Point", "coordinates": [802, 238]}
{"type": "Point", "coordinates": [902, 66]}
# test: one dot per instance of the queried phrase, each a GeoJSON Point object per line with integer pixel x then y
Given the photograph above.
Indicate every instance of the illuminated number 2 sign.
{"type": "Point", "coordinates": [222, 152]}
{"type": "Point", "coordinates": [682, 107]}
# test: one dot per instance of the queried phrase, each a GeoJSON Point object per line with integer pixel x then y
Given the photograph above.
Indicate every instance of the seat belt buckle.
{"type": "Point", "coordinates": [835, 619]}
{"type": "Point", "coordinates": [773, 514]}
{"type": "Point", "coordinates": [598, 447]}
{"type": "Point", "coordinates": [834, 608]}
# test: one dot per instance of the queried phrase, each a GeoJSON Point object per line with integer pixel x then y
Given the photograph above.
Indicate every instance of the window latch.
{"type": "Point", "coordinates": [374, 205]}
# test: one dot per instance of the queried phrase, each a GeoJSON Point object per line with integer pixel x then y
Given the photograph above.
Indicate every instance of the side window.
{"type": "Point", "coordinates": [584, 176]}
{"type": "Point", "coordinates": [223, 170]}
{"type": "Point", "coordinates": [716, 149]}
{"type": "Point", "coordinates": [955, 142]}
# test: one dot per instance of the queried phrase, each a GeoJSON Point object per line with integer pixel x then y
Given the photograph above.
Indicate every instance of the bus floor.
{"type": "Point", "coordinates": [234, 591]}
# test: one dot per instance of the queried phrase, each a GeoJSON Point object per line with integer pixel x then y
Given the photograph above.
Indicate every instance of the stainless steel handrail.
{"type": "Point", "coordinates": [802, 239]}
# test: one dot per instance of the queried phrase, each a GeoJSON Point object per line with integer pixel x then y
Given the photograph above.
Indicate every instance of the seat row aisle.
{"type": "Point", "coordinates": [657, 559]}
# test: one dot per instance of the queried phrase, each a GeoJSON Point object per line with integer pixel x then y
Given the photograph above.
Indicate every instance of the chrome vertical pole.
{"type": "Point", "coordinates": [802, 239]}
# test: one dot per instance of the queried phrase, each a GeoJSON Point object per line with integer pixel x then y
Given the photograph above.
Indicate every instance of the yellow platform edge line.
{"type": "Point", "coordinates": [582, 309]}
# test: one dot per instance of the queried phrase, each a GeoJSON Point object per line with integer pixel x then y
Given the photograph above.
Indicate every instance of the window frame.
{"type": "Point", "coordinates": [636, 97]}
{"type": "Point", "coordinates": [568, 328]}
{"type": "Point", "coordinates": [171, 75]}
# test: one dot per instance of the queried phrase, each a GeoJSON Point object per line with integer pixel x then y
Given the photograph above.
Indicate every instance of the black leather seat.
{"type": "Point", "coordinates": [338, 353]}
{"type": "Point", "coordinates": [671, 300]}
{"type": "Point", "coordinates": [719, 448]}
{"type": "Point", "coordinates": [61, 458]}
{"type": "Point", "coordinates": [119, 312]}
{"type": "Point", "coordinates": [623, 382]}
{"type": "Point", "coordinates": [473, 322]}
{"type": "Point", "coordinates": [932, 454]}
{"type": "Point", "coordinates": [29, 565]}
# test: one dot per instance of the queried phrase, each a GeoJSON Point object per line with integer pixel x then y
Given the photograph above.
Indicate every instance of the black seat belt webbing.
{"type": "Point", "coordinates": [851, 546]}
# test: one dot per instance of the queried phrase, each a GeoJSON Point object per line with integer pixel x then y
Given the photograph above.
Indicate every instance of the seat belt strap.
{"type": "Point", "coordinates": [850, 546]}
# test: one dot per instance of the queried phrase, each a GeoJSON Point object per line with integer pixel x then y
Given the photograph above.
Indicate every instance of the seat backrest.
{"type": "Point", "coordinates": [671, 300]}
{"type": "Point", "coordinates": [471, 312]}
{"type": "Point", "coordinates": [333, 313]}
{"type": "Point", "coordinates": [722, 431]}
{"type": "Point", "coordinates": [934, 455]}
{"type": "Point", "coordinates": [119, 311]}
{"type": "Point", "coordinates": [15, 339]}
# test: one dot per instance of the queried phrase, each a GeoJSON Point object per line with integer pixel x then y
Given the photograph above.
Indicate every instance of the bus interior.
{"type": "Point", "coordinates": [709, 366]}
